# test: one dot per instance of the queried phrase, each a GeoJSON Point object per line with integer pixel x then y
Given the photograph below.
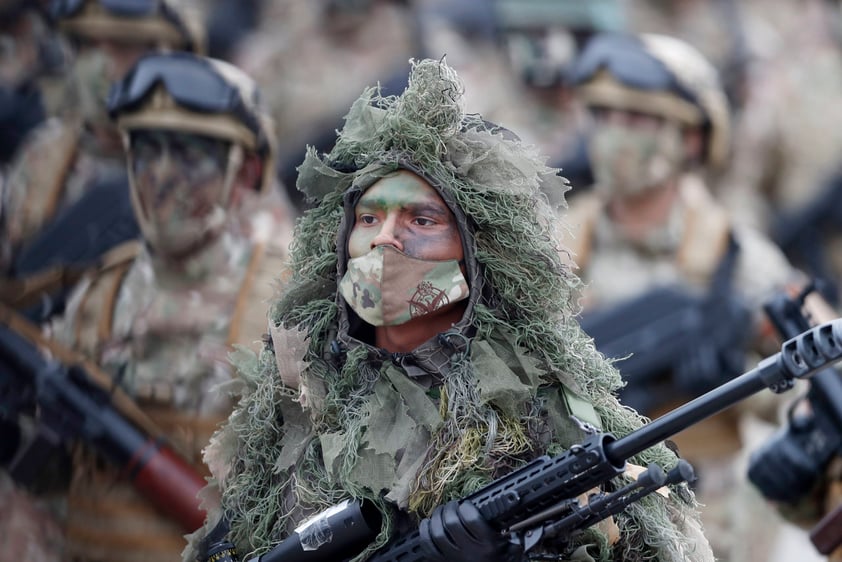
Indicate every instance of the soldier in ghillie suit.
{"type": "Point", "coordinates": [426, 343]}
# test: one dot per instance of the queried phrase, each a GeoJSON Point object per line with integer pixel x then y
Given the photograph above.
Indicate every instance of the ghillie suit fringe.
{"type": "Point", "coordinates": [289, 451]}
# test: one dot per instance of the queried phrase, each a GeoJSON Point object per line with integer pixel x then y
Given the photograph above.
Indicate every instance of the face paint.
{"type": "Point", "coordinates": [181, 186]}
{"type": "Point", "coordinates": [405, 251]}
{"type": "Point", "coordinates": [404, 211]}
{"type": "Point", "coordinates": [628, 160]}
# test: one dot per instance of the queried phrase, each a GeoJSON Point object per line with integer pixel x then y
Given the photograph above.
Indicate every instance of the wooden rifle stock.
{"type": "Point", "coordinates": [826, 536]}
{"type": "Point", "coordinates": [167, 481]}
{"type": "Point", "coordinates": [121, 401]}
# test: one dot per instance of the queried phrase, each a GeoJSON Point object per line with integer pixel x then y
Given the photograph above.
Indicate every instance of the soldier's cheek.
{"type": "Point", "coordinates": [359, 244]}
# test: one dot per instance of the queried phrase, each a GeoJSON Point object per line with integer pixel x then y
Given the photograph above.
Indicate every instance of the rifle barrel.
{"type": "Point", "coordinates": [685, 416]}
{"type": "Point", "coordinates": [800, 357]}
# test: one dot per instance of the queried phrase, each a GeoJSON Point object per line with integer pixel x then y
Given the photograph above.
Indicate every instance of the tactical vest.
{"type": "Point", "coordinates": [703, 246]}
{"type": "Point", "coordinates": [107, 519]}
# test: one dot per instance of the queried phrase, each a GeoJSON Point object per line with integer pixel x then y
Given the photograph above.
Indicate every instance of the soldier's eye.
{"type": "Point", "coordinates": [367, 219]}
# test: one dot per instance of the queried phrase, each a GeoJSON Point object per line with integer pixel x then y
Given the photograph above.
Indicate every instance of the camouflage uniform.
{"type": "Point", "coordinates": [169, 338]}
{"type": "Point", "coordinates": [335, 415]}
{"type": "Point", "coordinates": [164, 327]}
{"type": "Point", "coordinates": [683, 248]}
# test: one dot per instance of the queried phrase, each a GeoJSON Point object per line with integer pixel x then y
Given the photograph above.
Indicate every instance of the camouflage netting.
{"type": "Point", "coordinates": [288, 452]}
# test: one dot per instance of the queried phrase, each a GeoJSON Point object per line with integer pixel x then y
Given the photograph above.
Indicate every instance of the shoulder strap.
{"type": "Point", "coordinates": [266, 271]}
{"type": "Point", "coordinates": [21, 293]}
{"type": "Point", "coordinates": [46, 163]}
{"type": "Point", "coordinates": [95, 316]}
{"type": "Point", "coordinates": [707, 232]}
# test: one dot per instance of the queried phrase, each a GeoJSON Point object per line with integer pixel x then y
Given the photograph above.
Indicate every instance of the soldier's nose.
{"type": "Point", "coordinates": [387, 236]}
{"type": "Point", "coordinates": [164, 162]}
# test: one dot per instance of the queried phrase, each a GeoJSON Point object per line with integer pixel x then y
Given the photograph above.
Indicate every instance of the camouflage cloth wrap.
{"type": "Point", "coordinates": [326, 416]}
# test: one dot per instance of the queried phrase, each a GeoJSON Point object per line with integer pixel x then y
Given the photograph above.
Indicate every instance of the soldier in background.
{"type": "Point", "coordinates": [785, 177]}
{"type": "Point", "coordinates": [80, 151]}
{"type": "Point", "coordinates": [33, 62]}
{"type": "Point", "coordinates": [724, 31]}
{"type": "Point", "coordinates": [661, 122]}
{"type": "Point", "coordinates": [313, 57]}
{"type": "Point", "coordinates": [162, 316]}
{"type": "Point", "coordinates": [540, 39]}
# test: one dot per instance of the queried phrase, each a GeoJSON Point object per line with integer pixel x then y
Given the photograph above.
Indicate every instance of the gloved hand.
{"type": "Point", "coordinates": [457, 532]}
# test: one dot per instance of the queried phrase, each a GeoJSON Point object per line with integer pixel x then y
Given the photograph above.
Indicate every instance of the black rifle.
{"type": "Point", "coordinates": [669, 342]}
{"type": "Point", "coordinates": [69, 406]}
{"type": "Point", "coordinates": [539, 501]}
{"type": "Point", "coordinates": [787, 466]}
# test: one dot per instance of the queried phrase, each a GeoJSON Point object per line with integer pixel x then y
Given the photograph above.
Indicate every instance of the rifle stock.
{"type": "Point", "coordinates": [826, 535]}
{"type": "Point", "coordinates": [525, 503]}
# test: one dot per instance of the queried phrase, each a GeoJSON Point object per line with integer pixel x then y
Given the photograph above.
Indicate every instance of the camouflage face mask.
{"type": "Point", "coordinates": [628, 161]}
{"type": "Point", "coordinates": [386, 287]}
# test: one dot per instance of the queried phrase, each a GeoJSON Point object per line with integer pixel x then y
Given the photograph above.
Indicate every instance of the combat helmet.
{"type": "Point", "coordinates": [658, 75]}
{"type": "Point", "coordinates": [162, 24]}
{"type": "Point", "coordinates": [190, 93]}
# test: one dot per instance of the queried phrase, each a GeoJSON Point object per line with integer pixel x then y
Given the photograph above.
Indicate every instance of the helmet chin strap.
{"type": "Point", "coordinates": [195, 238]}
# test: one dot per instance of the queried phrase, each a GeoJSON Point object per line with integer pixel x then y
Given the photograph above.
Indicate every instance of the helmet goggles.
{"type": "Point", "coordinates": [191, 81]}
{"type": "Point", "coordinates": [628, 62]}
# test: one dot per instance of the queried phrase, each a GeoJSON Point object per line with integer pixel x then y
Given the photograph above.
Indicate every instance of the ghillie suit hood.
{"type": "Point", "coordinates": [326, 416]}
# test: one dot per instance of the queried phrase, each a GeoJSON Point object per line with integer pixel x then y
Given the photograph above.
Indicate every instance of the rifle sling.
{"type": "Point", "coordinates": [26, 292]}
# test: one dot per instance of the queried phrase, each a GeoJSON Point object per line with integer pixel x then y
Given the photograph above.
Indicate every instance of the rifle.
{"type": "Point", "coordinates": [69, 405]}
{"type": "Point", "coordinates": [787, 466]}
{"type": "Point", "coordinates": [669, 339]}
{"type": "Point", "coordinates": [540, 500]}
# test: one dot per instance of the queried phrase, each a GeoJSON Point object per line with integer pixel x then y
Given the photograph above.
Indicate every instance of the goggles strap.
{"type": "Point", "coordinates": [236, 157]}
